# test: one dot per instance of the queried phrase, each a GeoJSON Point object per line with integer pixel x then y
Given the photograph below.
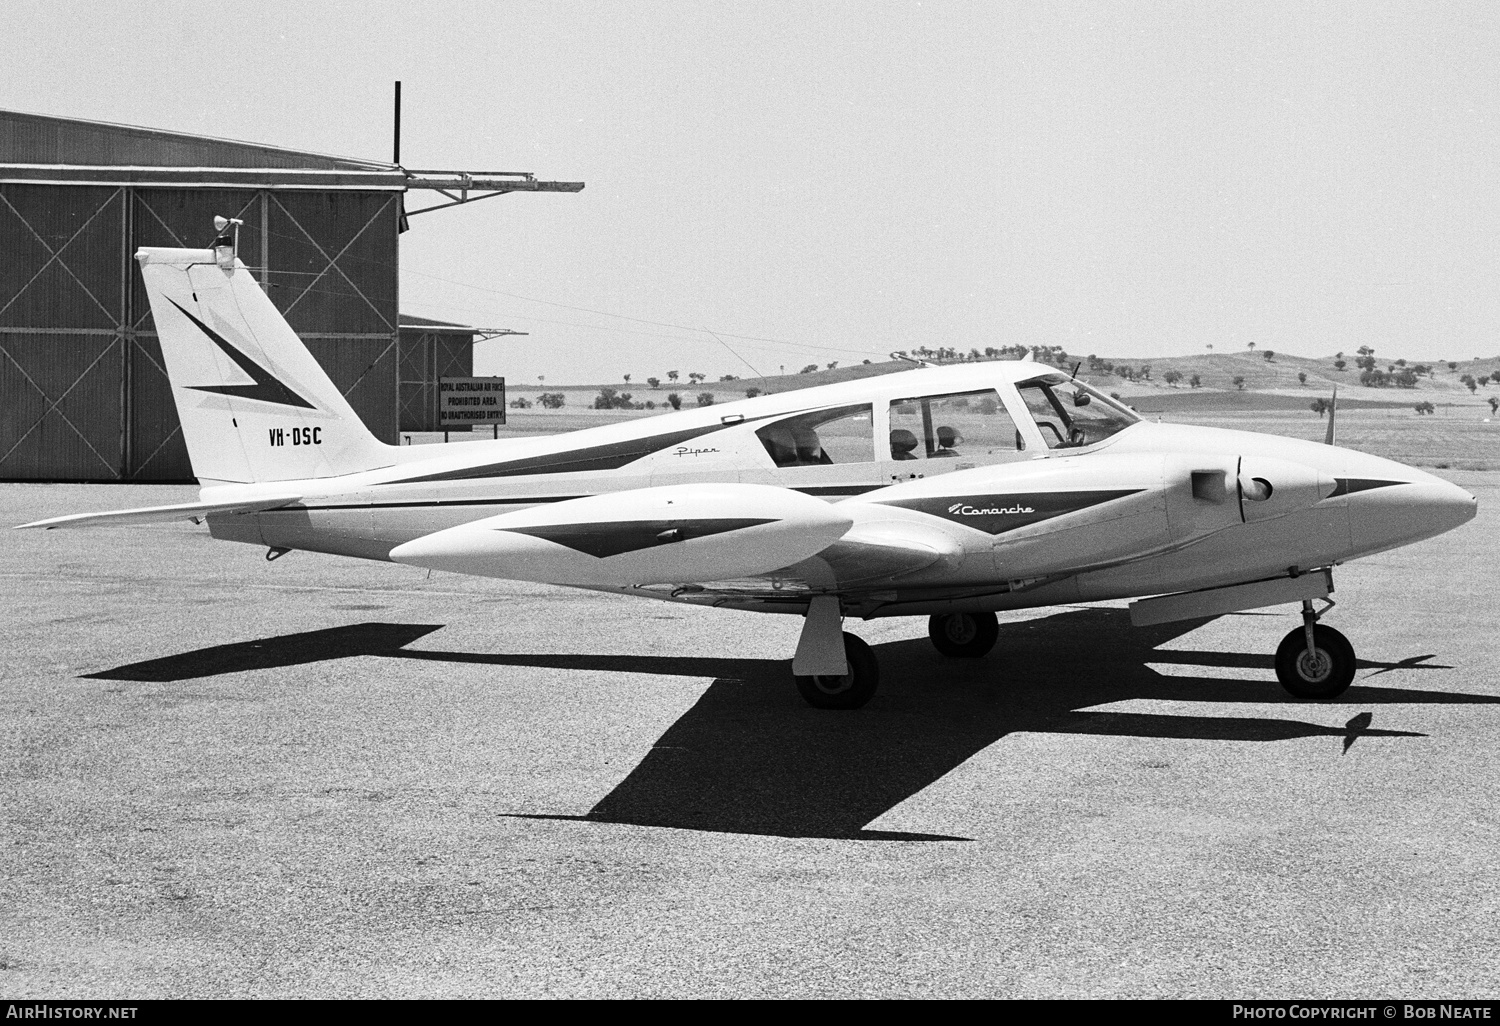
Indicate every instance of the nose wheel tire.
{"type": "Point", "coordinates": [1324, 672]}
{"type": "Point", "coordinates": [850, 691]}
{"type": "Point", "coordinates": [965, 635]}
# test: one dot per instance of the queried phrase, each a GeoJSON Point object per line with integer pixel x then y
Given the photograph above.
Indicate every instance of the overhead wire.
{"type": "Point", "coordinates": [734, 354]}
{"type": "Point", "coordinates": [546, 320]}
{"type": "Point", "coordinates": [695, 337]}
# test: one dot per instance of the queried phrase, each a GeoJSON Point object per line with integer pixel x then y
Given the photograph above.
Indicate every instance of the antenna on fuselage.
{"type": "Point", "coordinates": [1333, 405]}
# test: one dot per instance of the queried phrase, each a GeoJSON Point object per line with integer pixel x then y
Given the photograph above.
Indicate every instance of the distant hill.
{"type": "Point", "coordinates": [725, 390]}
{"type": "Point", "coordinates": [1218, 371]}
{"type": "Point", "coordinates": [1233, 401]}
{"type": "Point", "coordinates": [1267, 384]}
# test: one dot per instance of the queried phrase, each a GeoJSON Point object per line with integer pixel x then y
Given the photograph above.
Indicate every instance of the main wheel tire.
{"type": "Point", "coordinates": [965, 635]}
{"type": "Point", "coordinates": [1326, 673]}
{"type": "Point", "coordinates": [853, 689]}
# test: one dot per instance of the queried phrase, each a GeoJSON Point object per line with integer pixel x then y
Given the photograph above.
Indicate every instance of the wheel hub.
{"type": "Point", "coordinates": [1314, 665]}
{"type": "Point", "coordinates": [961, 629]}
{"type": "Point", "coordinates": [833, 685]}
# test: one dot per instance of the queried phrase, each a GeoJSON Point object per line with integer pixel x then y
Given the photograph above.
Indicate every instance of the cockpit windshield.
{"type": "Point", "coordinates": [1070, 414]}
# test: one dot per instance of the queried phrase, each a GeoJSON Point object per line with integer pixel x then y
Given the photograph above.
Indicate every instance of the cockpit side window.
{"type": "Point", "coordinates": [969, 426]}
{"type": "Point", "coordinates": [822, 438]}
{"type": "Point", "coordinates": [1069, 414]}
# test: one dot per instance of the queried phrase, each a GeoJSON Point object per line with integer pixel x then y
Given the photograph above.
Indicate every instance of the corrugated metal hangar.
{"type": "Point", "coordinates": [429, 350]}
{"type": "Point", "coordinates": [83, 395]}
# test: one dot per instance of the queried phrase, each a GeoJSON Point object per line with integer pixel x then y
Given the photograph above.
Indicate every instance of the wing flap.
{"type": "Point", "coordinates": [161, 514]}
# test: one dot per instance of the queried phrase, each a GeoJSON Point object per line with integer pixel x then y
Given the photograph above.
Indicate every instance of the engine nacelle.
{"type": "Point", "coordinates": [1273, 488]}
{"type": "Point", "coordinates": [1069, 514]}
{"type": "Point", "coordinates": [664, 535]}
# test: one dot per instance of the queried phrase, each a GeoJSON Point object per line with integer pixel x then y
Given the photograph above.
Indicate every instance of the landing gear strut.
{"type": "Point", "coordinates": [1314, 661]}
{"type": "Point", "coordinates": [965, 635]}
{"type": "Point", "coordinates": [849, 691]}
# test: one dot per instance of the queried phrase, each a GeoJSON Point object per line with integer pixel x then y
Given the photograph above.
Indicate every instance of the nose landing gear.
{"type": "Point", "coordinates": [1314, 661]}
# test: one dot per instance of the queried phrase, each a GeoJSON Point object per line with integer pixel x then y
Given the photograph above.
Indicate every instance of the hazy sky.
{"type": "Point", "coordinates": [851, 178]}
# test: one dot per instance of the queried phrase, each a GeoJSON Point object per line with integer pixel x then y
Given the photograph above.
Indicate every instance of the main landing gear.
{"type": "Point", "coordinates": [847, 691]}
{"type": "Point", "coordinates": [964, 635]}
{"type": "Point", "coordinates": [1314, 661]}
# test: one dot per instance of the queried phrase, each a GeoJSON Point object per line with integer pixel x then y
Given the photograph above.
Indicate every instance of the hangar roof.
{"type": "Point", "coordinates": [43, 149]}
{"type": "Point", "coordinates": [427, 324]}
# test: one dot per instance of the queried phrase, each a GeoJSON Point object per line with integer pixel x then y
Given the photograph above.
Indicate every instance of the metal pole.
{"type": "Point", "coordinates": [126, 336]}
{"type": "Point", "coordinates": [265, 241]}
{"type": "Point", "coordinates": [396, 143]}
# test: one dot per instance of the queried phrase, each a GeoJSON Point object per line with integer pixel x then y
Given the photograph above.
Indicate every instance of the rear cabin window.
{"type": "Point", "coordinates": [969, 426]}
{"type": "Point", "coordinates": [1069, 414]}
{"type": "Point", "coordinates": [844, 435]}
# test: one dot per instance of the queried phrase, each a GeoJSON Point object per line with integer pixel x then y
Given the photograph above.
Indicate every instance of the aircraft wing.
{"type": "Point", "coordinates": [161, 514]}
{"type": "Point", "coordinates": [886, 551]}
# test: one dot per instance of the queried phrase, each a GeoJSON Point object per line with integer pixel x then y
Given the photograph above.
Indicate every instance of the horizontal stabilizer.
{"type": "Point", "coordinates": [162, 514]}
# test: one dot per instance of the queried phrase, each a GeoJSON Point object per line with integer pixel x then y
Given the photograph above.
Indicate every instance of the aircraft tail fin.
{"type": "Point", "coordinates": [254, 403]}
{"type": "Point", "coordinates": [1333, 407]}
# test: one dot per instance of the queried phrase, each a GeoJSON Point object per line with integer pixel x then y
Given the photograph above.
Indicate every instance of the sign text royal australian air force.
{"type": "Point", "coordinates": [463, 401]}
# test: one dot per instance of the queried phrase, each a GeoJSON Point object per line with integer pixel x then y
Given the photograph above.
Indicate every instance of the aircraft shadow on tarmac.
{"type": "Point", "coordinates": [750, 757]}
{"type": "Point", "coordinates": [272, 653]}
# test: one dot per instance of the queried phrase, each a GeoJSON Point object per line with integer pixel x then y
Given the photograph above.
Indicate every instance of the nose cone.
{"type": "Point", "coordinates": [1448, 505]}
{"type": "Point", "coordinates": [1403, 508]}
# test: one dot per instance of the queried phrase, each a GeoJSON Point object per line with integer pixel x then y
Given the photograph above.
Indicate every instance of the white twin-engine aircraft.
{"type": "Point", "coordinates": [946, 492]}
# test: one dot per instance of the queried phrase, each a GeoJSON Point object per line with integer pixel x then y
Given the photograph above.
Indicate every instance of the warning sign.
{"type": "Point", "coordinates": [465, 401]}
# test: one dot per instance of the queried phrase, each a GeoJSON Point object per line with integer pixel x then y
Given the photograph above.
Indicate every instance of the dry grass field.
{"type": "Point", "coordinates": [1458, 439]}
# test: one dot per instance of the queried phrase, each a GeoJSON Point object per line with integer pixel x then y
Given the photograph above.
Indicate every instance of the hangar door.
{"type": "Point", "coordinates": [61, 339]}
{"type": "Point", "coordinates": [83, 392]}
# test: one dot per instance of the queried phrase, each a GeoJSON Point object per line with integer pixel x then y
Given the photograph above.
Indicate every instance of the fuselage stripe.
{"type": "Point", "coordinates": [535, 500]}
